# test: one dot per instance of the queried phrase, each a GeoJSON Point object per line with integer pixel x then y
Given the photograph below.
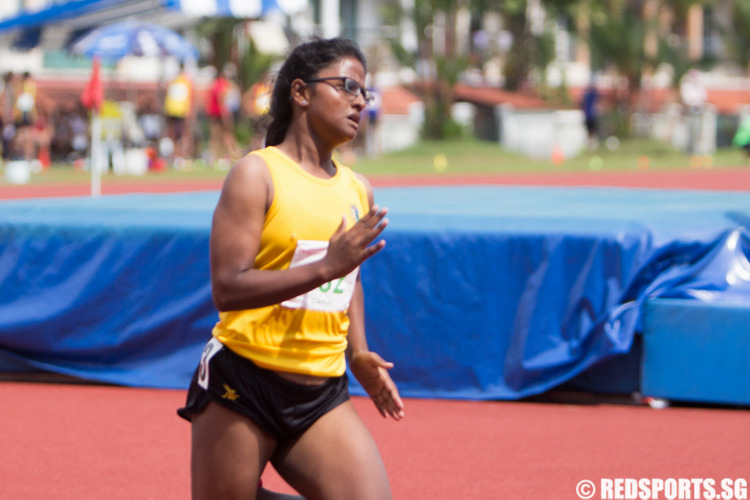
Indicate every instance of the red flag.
{"type": "Point", "coordinates": [93, 94]}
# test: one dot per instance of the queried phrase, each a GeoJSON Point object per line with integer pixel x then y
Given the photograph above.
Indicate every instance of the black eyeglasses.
{"type": "Point", "coordinates": [350, 85]}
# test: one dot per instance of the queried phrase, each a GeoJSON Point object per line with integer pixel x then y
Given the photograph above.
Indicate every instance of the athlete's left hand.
{"type": "Point", "coordinates": [372, 373]}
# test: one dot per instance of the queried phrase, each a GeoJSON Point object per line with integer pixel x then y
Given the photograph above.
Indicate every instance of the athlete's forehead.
{"type": "Point", "coordinates": [346, 66]}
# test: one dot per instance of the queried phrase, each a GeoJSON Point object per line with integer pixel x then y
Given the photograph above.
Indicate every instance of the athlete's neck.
{"type": "Point", "coordinates": [316, 161]}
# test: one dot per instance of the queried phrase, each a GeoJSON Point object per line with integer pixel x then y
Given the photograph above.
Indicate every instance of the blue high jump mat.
{"type": "Point", "coordinates": [482, 292]}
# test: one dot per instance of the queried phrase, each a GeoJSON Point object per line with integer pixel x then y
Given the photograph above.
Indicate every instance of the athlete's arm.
{"type": "Point", "coordinates": [235, 240]}
{"type": "Point", "coordinates": [370, 370]}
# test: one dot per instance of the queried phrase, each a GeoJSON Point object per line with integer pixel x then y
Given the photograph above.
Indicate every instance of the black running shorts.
{"type": "Point", "coordinates": [282, 408]}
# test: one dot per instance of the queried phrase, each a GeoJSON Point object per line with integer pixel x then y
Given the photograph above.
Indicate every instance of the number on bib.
{"type": "Point", "coordinates": [330, 297]}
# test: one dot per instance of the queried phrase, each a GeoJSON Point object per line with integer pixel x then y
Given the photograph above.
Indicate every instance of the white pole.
{"type": "Point", "coordinates": [330, 18]}
{"type": "Point", "coordinates": [96, 154]}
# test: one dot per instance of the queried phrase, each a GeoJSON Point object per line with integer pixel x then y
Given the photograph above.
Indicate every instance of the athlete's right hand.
{"type": "Point", "coordinates": [347, 249]}
{"type": "Point", "coordinates": [371, 371]}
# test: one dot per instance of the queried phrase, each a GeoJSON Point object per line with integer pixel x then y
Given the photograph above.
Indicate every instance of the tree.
{"type": "Point", "coordinates": [618, 34]}
{"type": "Point", "coordinates": [533, 44]}
{"type": "Point", "coordinates": [737, 37]}
{"type": "Point", "coordinates": [436, 60]}
{"type": "Point", "coordinates": [220, 34]}
{"type": "Point", "coordinates": [616, 39]}
{"type": "Point", "coordinates": [673, 44]}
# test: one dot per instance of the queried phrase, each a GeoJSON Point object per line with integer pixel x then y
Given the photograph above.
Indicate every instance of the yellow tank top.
{"type": "Point", "coordinates": [179, 95]}
{"type": "Point", "coordinates": [306, 334]}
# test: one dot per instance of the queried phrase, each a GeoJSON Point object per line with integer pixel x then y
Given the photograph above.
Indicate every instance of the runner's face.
{"type": "Point", "coordinates": [334, 112]}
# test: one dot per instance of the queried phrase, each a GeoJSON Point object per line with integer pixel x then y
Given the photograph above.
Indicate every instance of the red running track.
{"type": "Point", "coordinates": [730, 179]}
{"type": "Point", "coordinates": [95, 442]}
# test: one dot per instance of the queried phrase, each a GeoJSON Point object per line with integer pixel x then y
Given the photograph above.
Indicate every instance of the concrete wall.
{"type": "Point", "coordinates": [398, 132]}
{"type": "Point", "coordinates": [540, 133]}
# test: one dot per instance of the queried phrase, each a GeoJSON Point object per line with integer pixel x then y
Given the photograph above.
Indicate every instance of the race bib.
{"type": "Point", "coordinates": [212, 348]}
{"type": "Point", "coordinates": [333, 296]}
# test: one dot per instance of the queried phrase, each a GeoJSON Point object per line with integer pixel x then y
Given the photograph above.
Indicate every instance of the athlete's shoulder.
{"type": "Point", "coordinates": [362, 184]}
{"type": "Point", "coordinates": [251, 168]}
{"type": "Point", "coordinates": [361, 178]}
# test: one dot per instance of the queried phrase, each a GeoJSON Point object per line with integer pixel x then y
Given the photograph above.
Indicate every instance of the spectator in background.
{"type": "Point", "coordinates": [150, 121]}
{"type": "Point", "coordinates": [25, 115]}
{"type": "Point", "coordinates": [42, 132]}
{"type": "Point", "coordinates": [693, 96]}
{"type": "Point", "coordinates": [590, 108]}
{"type": "Point", "coordinates": [178, 107]}
{"type": "Point", "coordinates": [222, 104]}
{"type": "Point", "coordinates": [7, 101]}
{"type": "Point", "coordinates": [742, 138]}
{"type": "Point", "coordinates": [373, 141]}
{"type": "Point", "coordinates": [70, 140]}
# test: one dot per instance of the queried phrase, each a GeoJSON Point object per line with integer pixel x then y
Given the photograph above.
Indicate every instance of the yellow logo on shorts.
{"type": "Point", "coordinates": [231, 394]}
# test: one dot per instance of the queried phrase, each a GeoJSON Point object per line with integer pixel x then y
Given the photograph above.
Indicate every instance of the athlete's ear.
{"type": "Point", "coordinates": [300, 92]}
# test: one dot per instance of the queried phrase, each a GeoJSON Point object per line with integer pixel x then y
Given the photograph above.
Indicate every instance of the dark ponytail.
{"type": "Point", "coordinates": [304, 62]}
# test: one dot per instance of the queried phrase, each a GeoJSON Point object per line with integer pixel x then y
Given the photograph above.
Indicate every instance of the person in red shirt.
{"type": "Point", "coordinates": [222, 104]}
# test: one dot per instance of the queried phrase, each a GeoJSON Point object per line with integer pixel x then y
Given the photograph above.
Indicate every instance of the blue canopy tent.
{"type": "Point", "coordinates": [115, 41]}
{"type": "Point", "coordinates": [228, 8]}
{"type": "Point", "coordinates": [130, 37]}
{"type": "Point", "coordinates": [70, 24]}
{"type": "Point", "coordinates": [77, 15]}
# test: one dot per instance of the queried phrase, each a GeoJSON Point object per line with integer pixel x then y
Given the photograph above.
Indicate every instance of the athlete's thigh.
{"type": "Point", "coordinates": [335, 459]}
{"type": "Point", "coordinates": [228, 454]}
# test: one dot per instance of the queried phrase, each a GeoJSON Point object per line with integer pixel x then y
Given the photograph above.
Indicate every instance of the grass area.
{"type": "Point", "coordinates": [461, 157]}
